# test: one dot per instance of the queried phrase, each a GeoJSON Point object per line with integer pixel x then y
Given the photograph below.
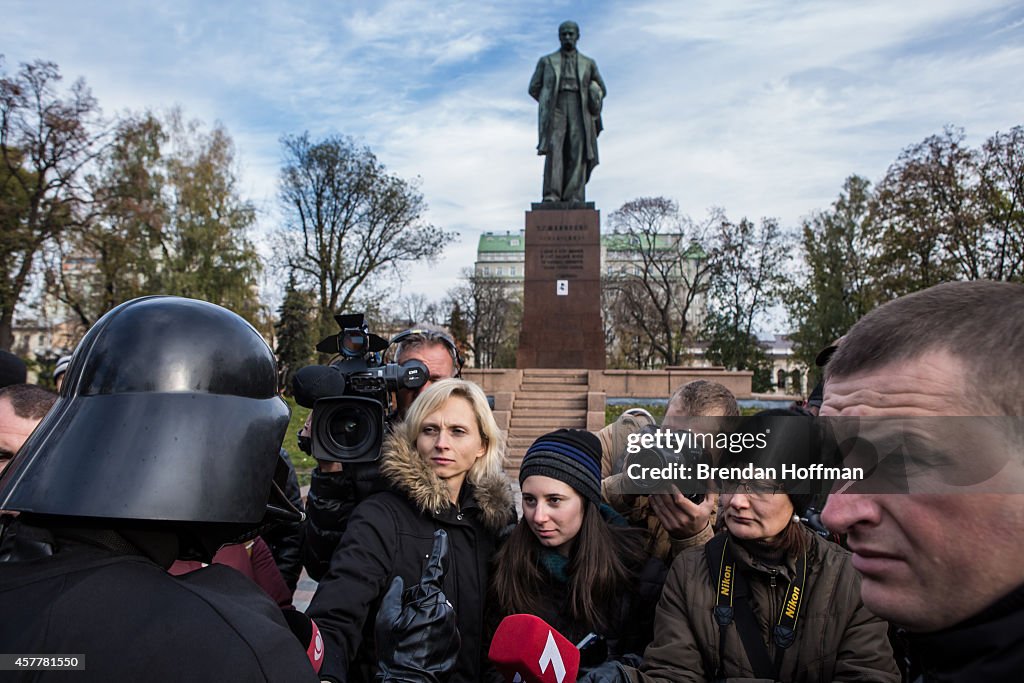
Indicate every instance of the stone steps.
{"type": "Point", "coordinates": [563, 400]}
{"type": "Point", "coordinates": [546, 400]}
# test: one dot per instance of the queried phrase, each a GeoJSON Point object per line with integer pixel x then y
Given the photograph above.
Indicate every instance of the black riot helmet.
{"type": "Point", "coordinates": [168, 414]}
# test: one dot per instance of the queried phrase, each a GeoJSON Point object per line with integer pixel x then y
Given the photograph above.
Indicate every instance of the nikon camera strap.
{"type": "Point", "coordinates": [733, 604]}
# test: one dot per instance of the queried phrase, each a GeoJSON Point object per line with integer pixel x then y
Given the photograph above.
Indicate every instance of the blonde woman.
{"type": "Point", "coordinates": [443, 464]}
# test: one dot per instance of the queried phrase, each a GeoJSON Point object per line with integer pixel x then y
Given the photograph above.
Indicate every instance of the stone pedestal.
{"type": "Point", "coordinates": [562, 289]}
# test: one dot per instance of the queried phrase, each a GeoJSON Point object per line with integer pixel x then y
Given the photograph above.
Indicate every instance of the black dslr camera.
{"type": "Point", "coordinates": [351, 397]}
{"type": "Point", "coordinates": [659, 459]}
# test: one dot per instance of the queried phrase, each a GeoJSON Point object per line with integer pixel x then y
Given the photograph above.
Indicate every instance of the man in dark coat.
{"type": "Point", "coordinates": [569, 91]}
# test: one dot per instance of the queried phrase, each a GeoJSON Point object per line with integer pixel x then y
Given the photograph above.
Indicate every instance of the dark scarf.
{"type": "Point", "coordinates": [557, 566]}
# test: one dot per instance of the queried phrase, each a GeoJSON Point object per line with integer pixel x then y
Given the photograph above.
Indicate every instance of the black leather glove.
{"type": "Point", "coordinates": [416, 631]}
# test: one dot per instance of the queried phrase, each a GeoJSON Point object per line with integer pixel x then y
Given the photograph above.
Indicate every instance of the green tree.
{"type": "Point", "coordinates": [294, 334]}
{"type": "Point", "coordinates": [348, 222]}
{"type": "Point", "coordinates": [46, 140]}
{"type": "Point", "coordinates": [835, 288]}
{"type": "Point", "coordinates": [749, 281]}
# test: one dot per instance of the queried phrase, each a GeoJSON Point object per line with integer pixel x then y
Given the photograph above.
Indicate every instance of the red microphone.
{"type": "Point", "coordinates": [525, 648]}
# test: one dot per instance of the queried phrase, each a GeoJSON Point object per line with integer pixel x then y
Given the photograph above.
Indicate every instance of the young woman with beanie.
{"type": "Point", "coordinates": [574, 562]}
{"type": "Point", "coordinates": [767, 599]}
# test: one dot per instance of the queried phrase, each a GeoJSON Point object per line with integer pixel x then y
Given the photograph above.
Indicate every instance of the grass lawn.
{"type": "Point", "coordinates": [611, 413]}
{"type": "Point", "coordinates": [304, 464]}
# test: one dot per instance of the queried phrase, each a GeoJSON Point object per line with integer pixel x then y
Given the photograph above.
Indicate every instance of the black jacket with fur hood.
{"type": "Point", "coordinates": [391, 534]}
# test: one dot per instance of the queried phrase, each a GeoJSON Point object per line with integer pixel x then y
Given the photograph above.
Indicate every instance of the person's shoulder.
{"type": "Point", "coordinates": [219, 596]}
{"type": "Point", "coordinates": [830, 559]}
{"type": "Point", "coordinates": [824, 550]}
{"type": "Point", "coordinates": [380, 503]}
{"type": "Point", "coordinates": [690, 562]}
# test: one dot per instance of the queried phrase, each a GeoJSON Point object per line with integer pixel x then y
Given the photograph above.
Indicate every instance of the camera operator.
{"type": "Point", "coordinates": [335, 489]}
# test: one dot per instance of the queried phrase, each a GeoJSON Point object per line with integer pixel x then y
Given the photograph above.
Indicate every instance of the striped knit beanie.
{"type": "Point", "coordinates": [572, 456]}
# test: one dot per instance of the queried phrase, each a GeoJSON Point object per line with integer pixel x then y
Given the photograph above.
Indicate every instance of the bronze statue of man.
{"type": "Point", "coordinates": [569, 91]}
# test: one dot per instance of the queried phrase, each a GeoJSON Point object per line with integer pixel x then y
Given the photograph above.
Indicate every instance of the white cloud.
{"type": "Point", "coordinates": [762, 107]}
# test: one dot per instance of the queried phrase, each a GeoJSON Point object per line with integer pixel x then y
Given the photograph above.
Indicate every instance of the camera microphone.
{"type": "Point", "coordinates": [314, 382]}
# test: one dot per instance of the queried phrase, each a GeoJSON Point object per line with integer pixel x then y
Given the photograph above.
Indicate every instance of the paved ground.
{"type": "Point", "coordinates": [304, 592]}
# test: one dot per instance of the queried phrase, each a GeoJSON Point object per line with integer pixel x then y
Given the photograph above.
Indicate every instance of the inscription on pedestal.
{"type": "Point", "coordinates": [562, 291]}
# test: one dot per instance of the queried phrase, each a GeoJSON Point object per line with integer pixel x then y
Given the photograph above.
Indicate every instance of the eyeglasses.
{"type": "Point", "coordinates": [754, 489]}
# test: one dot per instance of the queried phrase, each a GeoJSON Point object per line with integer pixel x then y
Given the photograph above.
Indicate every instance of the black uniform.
{"type": "Point", "coordinates": [132, 621]}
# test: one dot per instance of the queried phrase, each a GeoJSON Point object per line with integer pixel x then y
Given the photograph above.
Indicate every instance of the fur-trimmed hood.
{"type": "Point", "coordinates": [408, 474]}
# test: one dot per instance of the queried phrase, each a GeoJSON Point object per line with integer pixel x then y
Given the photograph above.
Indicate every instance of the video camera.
{"type": "Point", "coordinates": [351, 397]}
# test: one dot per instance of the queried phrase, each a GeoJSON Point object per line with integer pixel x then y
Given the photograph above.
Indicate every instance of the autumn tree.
{"type": "Point", "coordinates": [208, 252]}
{"type": "Point", "coordinates": [926, 211]}
{"type": "Point", "coordinates": [47, 138]}
{"type": "Point", "coordinates": [416, 308]}
{"type": "Point", "coordinates": [348, 222]}
{"type": "Point", "coordinates": [167, 218]}
{"type": "Point", "coordinates": [661, 265]}
{"type": "Point", "coordinates": [491, 310]}
{"type": "Point", "coordinates": [1001, 194]}
{"type": "Point", "coordinates": [113, 256]}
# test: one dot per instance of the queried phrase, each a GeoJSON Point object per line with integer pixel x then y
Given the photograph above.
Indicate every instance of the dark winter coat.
{"type": "Point", "coordinates": [629, 615]}
{"type": "Point", "coordinates": [330, 501]}
{"type": "Point", "coordinates": [132, 621]}
{"type": "Point", "coordinates": [986, 647]}
{"type": "Point", "coordinates": [391, 534]}
{"type": "Point", "coordinates": [630, 625]}
{"type": "Point", "coordinates": [837, 639]}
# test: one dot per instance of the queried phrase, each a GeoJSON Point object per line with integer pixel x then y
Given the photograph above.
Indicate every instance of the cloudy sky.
{"type": "Point", "coordinates": [762, 107]}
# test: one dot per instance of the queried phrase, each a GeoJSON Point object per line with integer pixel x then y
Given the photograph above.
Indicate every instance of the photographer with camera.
{"type": "Point", "coordinates": [785, 603]}
{"type": "Point", "coordinates": [674, 521]}
{"type": "Point", "coordinates": [338, 483]}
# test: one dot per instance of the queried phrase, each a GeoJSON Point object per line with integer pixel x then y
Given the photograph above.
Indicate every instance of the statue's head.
{"type": "Point", "coordinates": [568, 34]}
